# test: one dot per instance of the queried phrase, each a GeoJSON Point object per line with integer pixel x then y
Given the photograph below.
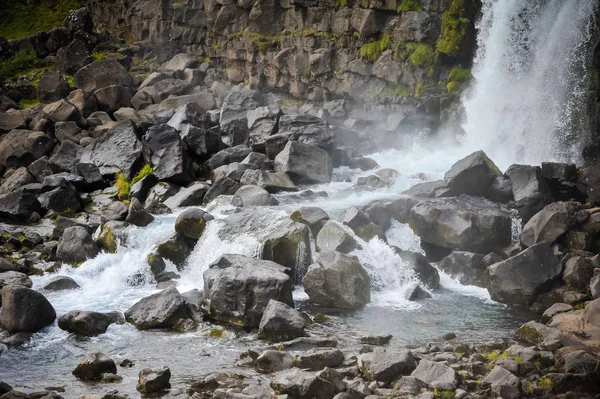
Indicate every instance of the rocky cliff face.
{"type": "Point", "coordinates": [392, 56]}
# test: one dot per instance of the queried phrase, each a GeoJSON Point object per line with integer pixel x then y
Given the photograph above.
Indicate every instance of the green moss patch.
{"type": "Point", "coordinates": [21, 18]}
{"type": "Point", "coordinates": [454, 28]}
{"type": "Point", "coordinates": [410, 5]}
{"type": "Point", "coordinates": [372, 51]}
{"type": "Point", "coordinates": [423, 56]}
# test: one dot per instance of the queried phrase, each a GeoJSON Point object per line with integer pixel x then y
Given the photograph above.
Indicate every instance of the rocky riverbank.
{"type": "Point", "coordinates": [122, 148]}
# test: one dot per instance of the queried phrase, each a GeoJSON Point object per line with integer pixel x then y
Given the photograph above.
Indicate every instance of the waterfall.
{"type": "Point", "coordinates": [528, 100]}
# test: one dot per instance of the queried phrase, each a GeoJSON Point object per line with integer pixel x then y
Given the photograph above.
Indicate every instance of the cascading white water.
{"type": "Point", "coordinates": [529, 96]}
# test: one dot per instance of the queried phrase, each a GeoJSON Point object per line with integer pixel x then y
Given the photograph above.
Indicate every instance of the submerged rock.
{"type": "Point", "coordinates": [93, 365]}
{"type": "Point", "coordinates": [60, 283]}
{"type": "Point", "coordinates": [153, 380]}
{"type": "Point", "coordinates": [85, 322]}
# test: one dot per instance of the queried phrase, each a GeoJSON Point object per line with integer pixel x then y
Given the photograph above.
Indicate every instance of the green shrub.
{"type": "Point", "coordinates": [423, 56]}
{"type": "Point", "coordinates": [20, 18]}
{"type": "Point", "coordinates": [372, 51]}
{"type": "Point", "coordinates": [410, 5]}
{"type": "Point", "coordinates": [341, 3]}
{"type": "Point", "coordinates": [454, 28]}
{"type": "Point", "coordinates": [21, 63]}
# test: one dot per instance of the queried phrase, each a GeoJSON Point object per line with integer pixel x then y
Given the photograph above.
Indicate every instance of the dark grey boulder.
{"type": "Point", "coordinates": [315, 218]}
{"type": "Point", "coordinates": [18, 207]}
{"type": "Point", "coordinates": [158, 194]}
{"type": "Point", "coordinates": [115, 211]}
{"type": "Point", "coordinates": [138, 215]}
{"type": "Point", "coordinates": [237, 289]}
{"type": "Point", "coordinates": [8, 266]}
{"type": "Point", "coordinates": [414, 292]}
{"type": "Point", "coordinates": [550, 223]}
{"type": "Point", "coordinates": [160, 310]}
{"type": "Point", "coordinates": [111, 98]}
{"type": "Point", "coordinates": [271, 361]}
{"type": "Point", "coordinates": [165, 88]}
{"type": "Point", "coordinates": [141, 188]}
{"type": "Point", "coordinates": [10, 121]}
{"type": "Point", "coordinates": [280, 322]}
{"type": "Point", "coordinates": [66, 157]}
{"type": "Point", "coordinates": [101, 74]}
{"type": "Point", "coordinates": [234, 121]}
{"type": "Point", "coordinates": [429, 189]}
{"type": "Point", "coordinates": [93, 365]}
{"type": "Point", "coordinates": [169, 159]}
{"type": "Point", "coordinates": [463, 223]}
{"type": "Point", "coordinates": [501, 190]}
{"type": "Point", "coordinates": [22, 147]}
{"type": "Point", "coordinates": [466, 267]}
{"type": "Point", "coordinates": [519, 279]}
{"type": "Point", "coordinates": [338, 281]}
{"type": "Point", "coordinates": [60, 283]}
{"type": "Point", "coordinates": [319, 358]}
{"type": "Point", "coordinates": [472, 175]}
{"type": "Point", "coordinates": [530, 190]}
{"type": "Point", "coordinates": [296, 383]}
{"type": "Point", "coordinates": [253, 196]}
{"type": "Point", "coordinates": [153, 380]}
{"type": "Point", "coordinates": [386, 365]}
{"type": "Point", "coordinates": [118, 150]}
{"type": "Point", "coordinates": [73, 57]}
{"type": "Point", "coordinates": [92, 177]}
{"type": "Point", "coordinates": [52, 87]}
{"type": "Point", "coordinates": [13, 277]}
{"type": "Point", "coordinates": [223, 186]}
{"type": "Point", "coordinates": [426, 273]}
{"type": "Point", "coordinates": [273, 182]}
{"type": "Point", "coordinates": [334, 237]}
{"type": "Point", "coordinates": [19, 178]}
{"type": "Point", "coordinates": [188, 196]}
{"type": "Point", "coordinates": [25, 310]}
{"type": "Point", "coordinates": [85, 322]}
{"type": "Point", "coordinates": [200, 142]}
{"type": "Point", "coordinates": [577, 273]}
{"type": "Point", "coordinates": [76, 245]}
{"type": "Point", "coordinates": [304, 163]}
{"type": "Point", "coordinates": [361, 224]}
{"type": "Point", "coordinates": [436, 375]}
{"type": "Point", "coordinates": [229, 155]}
{"type": "Point", "coordinates": [177, 248]}
{"type": "Point", "coordinates": [192, 222]}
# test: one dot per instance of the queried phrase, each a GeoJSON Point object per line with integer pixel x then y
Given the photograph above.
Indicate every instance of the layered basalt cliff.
{"type": "Point", "coordinates": [409, 56]}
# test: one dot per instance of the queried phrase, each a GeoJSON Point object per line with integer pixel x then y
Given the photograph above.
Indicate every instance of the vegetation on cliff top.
{"type": "Point", "coordinates": [22, 62]}
{"type": "Point", "coordinates": [21, 18]}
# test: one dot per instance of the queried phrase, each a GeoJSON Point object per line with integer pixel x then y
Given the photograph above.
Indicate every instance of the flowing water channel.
{"type": "Point", "coordinates": [467, 311]}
